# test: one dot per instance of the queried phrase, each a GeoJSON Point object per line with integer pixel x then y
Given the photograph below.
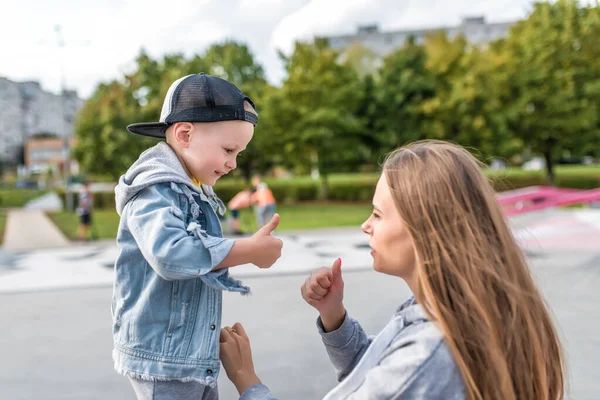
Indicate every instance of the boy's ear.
{"type": "Point", "coordinates": [182, 132]}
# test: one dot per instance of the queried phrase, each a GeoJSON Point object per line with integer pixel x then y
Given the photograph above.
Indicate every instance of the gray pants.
{"type": "Point", "coordinates": [264, 214]}
{"type": "Point", "coordinates": [173, 390]}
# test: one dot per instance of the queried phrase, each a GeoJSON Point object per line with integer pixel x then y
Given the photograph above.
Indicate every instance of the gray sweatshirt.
{"type": "Point", "coordinates": [408, 359]}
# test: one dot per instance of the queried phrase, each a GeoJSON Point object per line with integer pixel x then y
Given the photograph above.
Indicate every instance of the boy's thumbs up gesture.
{"type": "Point", "coordinates": [267, 249]}
{"type": "Point", "coordinates": [269, 227]}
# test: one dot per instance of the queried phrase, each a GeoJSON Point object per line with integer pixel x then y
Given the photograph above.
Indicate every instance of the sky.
{"type": "Point", "coordinates": [102, 38]}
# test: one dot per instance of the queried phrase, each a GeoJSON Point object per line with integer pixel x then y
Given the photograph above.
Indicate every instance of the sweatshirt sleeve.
{"type": "Point", "coordinates": [345, 346]}
{"type": "Point", "coordinates": [257, 392]}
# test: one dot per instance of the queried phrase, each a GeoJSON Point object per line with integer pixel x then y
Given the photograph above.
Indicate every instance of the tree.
{"type": "Point", "coordinates": [104, 146]}
{"type": "Point", "coordinates": [367, 64]}
{"type": "Point", "coordinates": [234, 62]}
{"type": "Point", "coordinates": [368, 112]}
{"type": "Point", "coordinates": [362, 59]}
{"type": "Point", "coordinates": [404, 85]}
{"type": "Point", "coordinates": [467, 105]}
{"type": "Point", "coordinates": [590, 28]}
{"type": "Point", "coordinates": [553, 69]}
{"type": "Point", "coordinates": [317, 116]}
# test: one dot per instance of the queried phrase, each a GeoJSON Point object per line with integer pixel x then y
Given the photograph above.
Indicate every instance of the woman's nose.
{"type": "Point", "coordinates": [366, 228]}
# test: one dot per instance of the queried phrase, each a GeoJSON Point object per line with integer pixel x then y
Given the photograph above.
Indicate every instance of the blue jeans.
{"type": "Point", "coordinates": [264, 214]}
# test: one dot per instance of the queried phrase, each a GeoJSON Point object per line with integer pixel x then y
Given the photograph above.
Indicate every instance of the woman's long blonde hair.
{"type": "Point", "coordinates": [472, 278]}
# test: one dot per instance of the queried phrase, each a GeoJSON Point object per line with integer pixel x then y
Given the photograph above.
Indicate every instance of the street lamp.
{"type": "Point", "coordinates": [66, 146]}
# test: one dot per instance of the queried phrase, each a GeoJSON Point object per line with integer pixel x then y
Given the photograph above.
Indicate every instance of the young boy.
{"type": "Point", "coordinates": [173, 260]}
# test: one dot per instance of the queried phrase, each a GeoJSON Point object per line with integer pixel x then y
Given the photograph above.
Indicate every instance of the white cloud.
{"type": "Point", "coordinates": [324, 17]}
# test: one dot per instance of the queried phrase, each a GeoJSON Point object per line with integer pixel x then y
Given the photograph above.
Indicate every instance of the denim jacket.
{"type": "Point", "coordinates": [167, 298]}
{"type": "Point", "coordinates": [408, 359]}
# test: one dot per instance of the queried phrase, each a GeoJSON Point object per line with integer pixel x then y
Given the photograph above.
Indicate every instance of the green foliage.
{"type": "Point", "coordinates": [405, 86]}
{"type": "Point", "coordinates": [535, 92]}
{"type": "Point", "coordinates": [466, 108]}
{"type": "Point", "coordinates": [234, 62]}
{"type": "Point", "coordinates": [105, 147]}
{"type": "Point", "coordinates": [316, 116]}
{"type": "Point", "coordinates": [552, 70]}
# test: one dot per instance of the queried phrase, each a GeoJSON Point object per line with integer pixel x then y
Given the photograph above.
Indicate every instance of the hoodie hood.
{"type": "Point", "coordinates": [158, 164]}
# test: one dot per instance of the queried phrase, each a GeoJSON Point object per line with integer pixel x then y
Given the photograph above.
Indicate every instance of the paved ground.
{"type": "Point", "coordinates": [48, 202]}
{"type": "Point", "coordinates": [31, 229]}
{"type": "Point", "coordinates": [56, 341]}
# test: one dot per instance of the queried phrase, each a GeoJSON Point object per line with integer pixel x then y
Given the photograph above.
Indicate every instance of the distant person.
{"type": "Point", "coordinates": [240, 201]}
{"type": "Point", "coordinates": [84, 210]}
{"type": "Point", "coordinates": [256, 180]}
{"type": "Point", "coordinates": [476, 326]}
{"type": "Point", "coordinates": [173, 262]}
{"type": "Point", "coordinates": [264, 204]}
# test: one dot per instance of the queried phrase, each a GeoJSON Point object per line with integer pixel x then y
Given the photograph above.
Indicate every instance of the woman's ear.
{"type": "Point", "coordinates": [182, 133]}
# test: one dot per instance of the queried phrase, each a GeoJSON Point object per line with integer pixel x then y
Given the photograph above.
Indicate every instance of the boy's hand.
{"type": "Point", "coordinates": [324, 290]}
{"type": "Point", "coordinates": [261, 249]}
{"type": "Point", "coordinates": [267, 248]}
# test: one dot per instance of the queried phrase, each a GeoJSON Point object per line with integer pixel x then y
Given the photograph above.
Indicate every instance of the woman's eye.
{"type": "Point", "coordinates": [229, 151]}
{"type": "Point", "coordinates": [376, 216]}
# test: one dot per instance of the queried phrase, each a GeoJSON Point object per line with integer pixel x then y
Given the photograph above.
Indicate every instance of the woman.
{"type": "Point", "coordinates": [476, 328]}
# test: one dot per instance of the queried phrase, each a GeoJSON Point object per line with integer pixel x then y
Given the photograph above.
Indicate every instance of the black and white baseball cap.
{"type": "Point", "coordinates": [198, 98]}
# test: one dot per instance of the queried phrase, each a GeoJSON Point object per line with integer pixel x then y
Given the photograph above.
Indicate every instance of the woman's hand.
{"type": "Point", "coordinates": [324, 290]}
{"type": "Point", "coordinates": [236, 357]}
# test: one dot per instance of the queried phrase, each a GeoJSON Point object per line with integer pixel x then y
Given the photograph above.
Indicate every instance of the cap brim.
{"type": "Point", "coordinates": [152, 129]}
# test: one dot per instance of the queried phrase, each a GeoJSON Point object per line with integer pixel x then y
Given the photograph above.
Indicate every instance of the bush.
{"type": "Point", "coordinates": [289, 192]}
{"type": "Point", "coordinates": [361, 187]}
{"type": "Point", "coordinates": [285, 191]}
{"type": "Point", "coordinates": [579, 182]}
{"type": "Point", "coordinates": [360, 191]}
{"type": "Point", "coordinates": [226, 189]}
{"type": "Point", "coordinates": [573, 180]}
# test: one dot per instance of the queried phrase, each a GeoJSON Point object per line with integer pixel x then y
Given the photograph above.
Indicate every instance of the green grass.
{"type": "Point", "coordinates": [2, 224]}
{"type": "Point", "coordinates": [104, 224]}
{"type": "Point", "coordinates": [15, 198]}
{"type": "Point", "coordinates": [312, 216]}
{"type": "Point", "coordinates": [293, 217]}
